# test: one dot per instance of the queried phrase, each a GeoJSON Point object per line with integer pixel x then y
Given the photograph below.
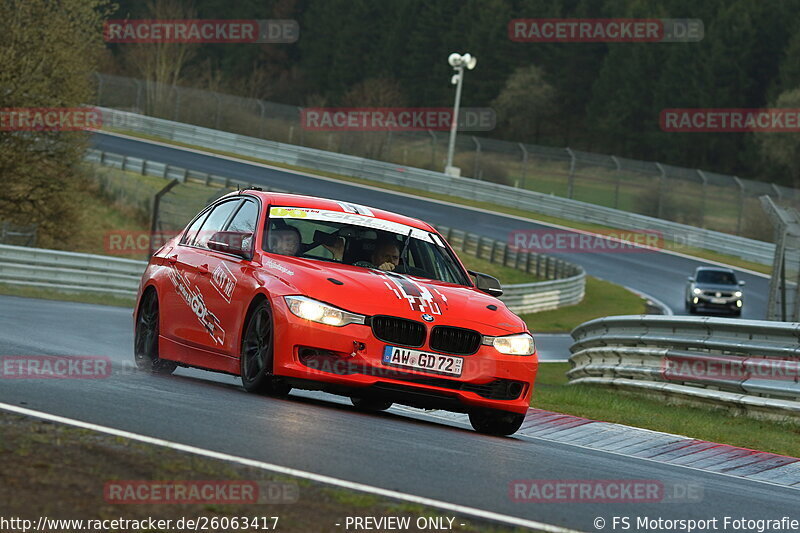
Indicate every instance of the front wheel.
{"type": "Point", "coordinates": [256, 357]}
{"type": "Point", "coordinates": [494, 422]}
{"type": "Point", "coordinates": [145, 344]}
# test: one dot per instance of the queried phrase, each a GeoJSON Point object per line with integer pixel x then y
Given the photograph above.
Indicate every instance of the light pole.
{"type": "Point", "coordinates": [458, 62]}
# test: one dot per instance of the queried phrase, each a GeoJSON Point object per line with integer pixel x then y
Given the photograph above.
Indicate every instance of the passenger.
{"type": "Point", "coordinates": [286, 240]}
{"type": "Point", "coordinates": [385, 257]}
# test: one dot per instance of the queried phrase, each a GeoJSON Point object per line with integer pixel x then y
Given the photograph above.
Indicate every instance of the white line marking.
{"type": "Point", "coordinates": [461, 509]}
{"type": "Point", "coordinates": [417, 197]}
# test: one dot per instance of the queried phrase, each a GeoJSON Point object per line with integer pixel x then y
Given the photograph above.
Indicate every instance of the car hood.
{"type": "Point", "coordinates": [373, 292]}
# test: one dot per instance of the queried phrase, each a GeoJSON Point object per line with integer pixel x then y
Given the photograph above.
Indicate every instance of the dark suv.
{"type": "Point", "coordinates": [714, 289]}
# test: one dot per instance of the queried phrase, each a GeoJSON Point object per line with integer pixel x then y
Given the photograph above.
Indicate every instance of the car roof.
{"type": "Point", "coordinates": [714, 269]}
{"type": "Point", "coordinates": [314, 202]}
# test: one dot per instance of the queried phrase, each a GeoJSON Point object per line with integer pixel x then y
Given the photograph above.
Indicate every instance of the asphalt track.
{"type": "Point", "coordinates": [657, 274]}
{"type": "Point", "coordinates": [404, 450]}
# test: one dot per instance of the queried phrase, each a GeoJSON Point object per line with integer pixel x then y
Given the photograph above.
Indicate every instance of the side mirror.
{"type": "Point", "coordinates": [741, 283]}
{"type": "Point", "coordinates": [486, 283]}
{"type": "Point", "coordinates": [690, 278]}
{"type": "Point", "coordinates": [231, 242]}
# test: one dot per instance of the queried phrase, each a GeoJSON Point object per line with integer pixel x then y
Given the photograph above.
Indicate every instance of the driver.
{"type": "Point", "coordinates": [386, 256]}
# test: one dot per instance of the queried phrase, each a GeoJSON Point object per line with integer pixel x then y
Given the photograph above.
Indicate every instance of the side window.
{"type": "Point", "coordinates": [215, 222]}
{"type": "Point", "coordinates": [244, 223]}
{"type": "Point", "coordinates": [191, 231]}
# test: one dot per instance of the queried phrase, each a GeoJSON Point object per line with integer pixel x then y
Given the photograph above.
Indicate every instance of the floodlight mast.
{"type": "Point", "coordinates": [458, 62]}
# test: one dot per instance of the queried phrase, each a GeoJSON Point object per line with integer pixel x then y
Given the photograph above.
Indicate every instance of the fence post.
{"type": "Point", "coordinates": [524, 163]}
{"type": "Point", "coordinates": [263, 110]}
{"type": "Point", "coordinates": [433, 148]}
{"type": "Point", "coordinates": [476, 163]}
{"type": "Point", "coordinates": [99, 88]}
{"type": "Point", "coordinates": [154, 215]}
{"type": "Point", "coordinates": [616, 182]}
{"type": "Point", "coordinates": [703, 198]}
{"type": "Point", "coordinates": [661, 192]}
{"type": "Point", "coordinates": [571, 178]}
{"type": "Point", "coordinates": [139, 95]}
{"type": "Point", "coordinates": [741, 205]}
{"type": "Point", "coordinates": [528, 262]}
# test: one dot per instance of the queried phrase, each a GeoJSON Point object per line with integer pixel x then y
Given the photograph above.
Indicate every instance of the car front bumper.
{"type": "Point", "coordinates": [349, 360]}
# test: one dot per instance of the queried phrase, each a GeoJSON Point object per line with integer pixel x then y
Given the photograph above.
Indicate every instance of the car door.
{"type": "Point", "coordinates": [178, 316]}
{"type": "Point", "coordinates": [228, 284]}
{"type": "Point", "coordinates": [198, 322]}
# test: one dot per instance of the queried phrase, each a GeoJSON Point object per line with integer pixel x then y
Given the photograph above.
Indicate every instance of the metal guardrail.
{"type": "Point", "coordinates": [69, 271]}
{"type": "Point", "coordinates": [749, 366]}
{"type": "Point", "coordinates": [566, 285]}
{"type": "Point", "coordinates": [436, 182]}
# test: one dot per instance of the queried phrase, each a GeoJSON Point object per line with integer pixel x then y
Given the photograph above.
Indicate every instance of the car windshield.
{"type": "Point", "coordinates": [716, 277]}
{"type": "Point", "coordinates": [361, 240]}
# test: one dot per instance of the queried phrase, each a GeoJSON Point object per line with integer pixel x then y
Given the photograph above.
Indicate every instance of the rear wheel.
{"type": "Point", "coordinates": [145, 344]}
{"type": "Point", "coordinates": [256, 358]}
{"type": "Point", "coordinates": [494, 422]}
{"type": "Point", "coordinates": [371, 405]}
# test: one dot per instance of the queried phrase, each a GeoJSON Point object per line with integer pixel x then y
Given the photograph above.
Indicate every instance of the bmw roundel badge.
{"type": "Point", "coordinates": [427, 318]}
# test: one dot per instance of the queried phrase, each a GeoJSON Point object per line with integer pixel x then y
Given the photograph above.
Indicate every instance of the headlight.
{"type": "Point", "coordinates": [697, 291]}
{"type": "Point", "coordinates": [738, 294]}
{"type": "Point", "coordinates": [321, 312]}
{"type": "Point", "coordinates": [520, 344]}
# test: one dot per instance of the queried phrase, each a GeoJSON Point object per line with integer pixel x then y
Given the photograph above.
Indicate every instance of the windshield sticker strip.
{"type": "Point", "coordinates": [352, 219]}
{"type": "Point", "coordinates": [355, 208]}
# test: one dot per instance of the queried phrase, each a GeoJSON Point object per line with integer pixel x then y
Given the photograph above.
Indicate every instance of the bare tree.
{"type": "Point", "coordinates": [161, 64]}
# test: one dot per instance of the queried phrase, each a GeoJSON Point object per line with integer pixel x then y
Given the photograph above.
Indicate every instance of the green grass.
{"type": "Point", "coordinates": [535, 217]}
{"type": "Point", "coordinates": [640, 410]}
{"type": "Point", "coordinates": [603, 298]}
{"type": "Point", "coordinates": [506, 275]}
{"type": "Point", "coordinates": [66, 296]}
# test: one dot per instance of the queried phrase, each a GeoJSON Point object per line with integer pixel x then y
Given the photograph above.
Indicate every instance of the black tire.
{"type": "Point", "coordinates": [145, 338]}
{"type": "Point", "coordinates": [692, 310]}
{"type": "Point", "coordinates": [737, 313]}
{"type": "Point", "coordinates": [494, 422]}
{"type": "Point", "coordinates": [370, 405]}
{"type": "Point", "coordinates": [256, 355]}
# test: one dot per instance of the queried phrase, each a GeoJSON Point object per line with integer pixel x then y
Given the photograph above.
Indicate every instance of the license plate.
{"type": "Point", "coordinates": [431, 362]}
{"type": "Point", "coordinates": [717, 300]}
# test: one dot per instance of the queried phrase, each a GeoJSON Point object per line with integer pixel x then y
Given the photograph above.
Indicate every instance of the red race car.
{"type": "Point", "coordinates": [296, 291]}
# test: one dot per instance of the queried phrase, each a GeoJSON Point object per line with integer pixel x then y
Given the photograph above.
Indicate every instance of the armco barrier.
{"type": "Point", "coordinates": [69, 271]}
{"type": "Point", "coordinates": [749, 366]}
{"type": "Point", "coordinates": [436, 182]}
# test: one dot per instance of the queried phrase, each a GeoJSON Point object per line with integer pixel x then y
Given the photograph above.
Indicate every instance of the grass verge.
{"type": "Point", "coordinates": [536, 217]}
{"type": "Point", "coordinates": [640, 410]}
{"type": "Point", "coordinates": [66, 296]}
{"type": "Point", "coordinates": [73, 487]}
{"type": "Point", "coordinates": [602, 298]}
